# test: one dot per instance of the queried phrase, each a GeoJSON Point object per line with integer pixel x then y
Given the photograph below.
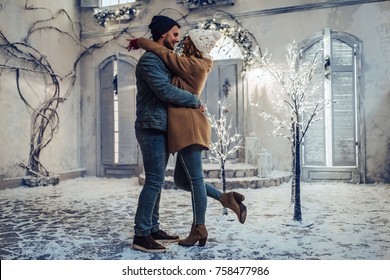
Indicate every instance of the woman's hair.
{"type": "Point", "coordinates": [190, 49]}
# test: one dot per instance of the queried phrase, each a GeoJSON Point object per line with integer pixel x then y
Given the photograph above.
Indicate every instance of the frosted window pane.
{"type": "Point", "coordinates": [115, 2]}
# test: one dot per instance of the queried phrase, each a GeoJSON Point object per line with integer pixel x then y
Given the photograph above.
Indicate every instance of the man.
{"type": "Point", "coordinates": [154, 92]}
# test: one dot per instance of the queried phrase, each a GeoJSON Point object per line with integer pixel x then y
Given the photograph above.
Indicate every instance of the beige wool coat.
{"type": "Point", "coordinates": [186, 126]}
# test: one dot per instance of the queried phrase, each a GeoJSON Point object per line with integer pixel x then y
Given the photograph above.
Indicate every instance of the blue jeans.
{"type": "Point", "coordinates": [153, 144]}
{"type": "Point", "coordinates": [189, 176]}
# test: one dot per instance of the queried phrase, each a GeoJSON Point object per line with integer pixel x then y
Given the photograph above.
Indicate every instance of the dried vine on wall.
{"type": "Point", "coordinates": [23, 58]}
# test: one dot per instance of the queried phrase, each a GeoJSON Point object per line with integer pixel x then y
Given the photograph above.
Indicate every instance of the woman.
{"type": "Point", "coordinates": [189, 131]}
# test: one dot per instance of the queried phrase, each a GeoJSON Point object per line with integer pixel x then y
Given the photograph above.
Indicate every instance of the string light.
{"type": "Point", "coordinates": [193, 4]}
{"type": "Point", "coordinates": [240, 37]}
{"type": "Point", "coordinates": [103, 16]}
{"type": "Point", "coordinates": [202, 2]}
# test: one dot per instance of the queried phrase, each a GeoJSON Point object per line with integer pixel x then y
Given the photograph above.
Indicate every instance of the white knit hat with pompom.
{"type": "Point", "coordinates": [204, 40]}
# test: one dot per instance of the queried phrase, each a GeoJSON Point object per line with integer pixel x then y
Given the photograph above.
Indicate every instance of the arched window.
{"type": "Point", "coordinates": [333, 146]}
{"type": "Point", "coordinates": [118, 147]}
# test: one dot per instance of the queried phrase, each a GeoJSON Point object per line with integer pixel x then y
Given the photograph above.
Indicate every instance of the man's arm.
{"type": "Point", "coordinates": [180, 65]}
{"type": "Point", "coordinates": [155, 73]}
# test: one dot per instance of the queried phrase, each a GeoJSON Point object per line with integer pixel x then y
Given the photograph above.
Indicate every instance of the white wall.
{"type": "Point", "coordinates": [63, 153]}
{"type": "Point", "coordinates": [75, 143]}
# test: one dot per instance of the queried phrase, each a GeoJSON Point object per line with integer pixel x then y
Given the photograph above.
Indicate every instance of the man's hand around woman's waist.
{"type": "Point", "coordinates": [202, 108]}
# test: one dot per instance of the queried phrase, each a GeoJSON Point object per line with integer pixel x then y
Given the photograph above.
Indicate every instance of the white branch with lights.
{"type": "Point", "coordinates": [226, 144]}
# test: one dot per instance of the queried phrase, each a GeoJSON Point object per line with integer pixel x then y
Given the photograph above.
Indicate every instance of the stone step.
{"type": "Point", "coordinates": [237, 176]}
{"type": "Point", "coordinates": [233, 170]}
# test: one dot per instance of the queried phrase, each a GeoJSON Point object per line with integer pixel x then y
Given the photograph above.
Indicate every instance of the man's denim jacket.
{"type": "Point", "coordinates": [155, 91]}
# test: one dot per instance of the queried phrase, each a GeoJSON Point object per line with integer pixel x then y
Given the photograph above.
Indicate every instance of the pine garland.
{"type": "Point", "coordinates": [103, 16]}
{"type": "Point", "coordinates": [242, 37]}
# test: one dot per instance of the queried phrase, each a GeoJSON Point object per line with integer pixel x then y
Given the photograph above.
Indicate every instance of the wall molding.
{"type": "Point", "coordinates": [305, 7]}
{"type": "Point", "coordinates": [64, 175]}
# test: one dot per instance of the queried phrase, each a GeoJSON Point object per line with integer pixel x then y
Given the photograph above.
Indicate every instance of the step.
{"type": "Point", "coordinates": [232, 170]}
{"type": "Point", "coordinates": [237, 176]}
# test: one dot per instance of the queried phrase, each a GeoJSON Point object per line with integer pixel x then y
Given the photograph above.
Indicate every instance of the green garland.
{"type": "Point", "coordinates": [240, 37]}
{"type": "Point", "coordinates": [103, 16]}
{"type": "Point", "coordinates": [202, 2]}
{"type": "Point", "coordinates": [194, 4]}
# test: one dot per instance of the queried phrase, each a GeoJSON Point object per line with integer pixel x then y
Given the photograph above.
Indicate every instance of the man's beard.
{"type": "Point", "coordinates": [168, 45]}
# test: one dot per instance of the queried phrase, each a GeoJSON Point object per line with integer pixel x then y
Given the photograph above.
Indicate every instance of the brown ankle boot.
{"type": "Point", "coordinates": [233, 201]}
{"type": "Point", "coordinates": [198, 233]}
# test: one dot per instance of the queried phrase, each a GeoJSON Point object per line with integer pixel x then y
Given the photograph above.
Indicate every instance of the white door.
{"type": "Point", "coordinates": [224, 83]}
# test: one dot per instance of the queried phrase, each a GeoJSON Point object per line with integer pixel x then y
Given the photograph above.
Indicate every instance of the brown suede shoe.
{"type": "Point", "coordinates": [233, 201]}
{"type": "Point", "coordinates": [147, 244]}
{"type": "Point", "coordinates": [197, 233]}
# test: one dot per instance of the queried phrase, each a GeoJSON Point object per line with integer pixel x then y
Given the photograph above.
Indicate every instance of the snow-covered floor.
{"type": "Point", "coordinates": [92, 218]}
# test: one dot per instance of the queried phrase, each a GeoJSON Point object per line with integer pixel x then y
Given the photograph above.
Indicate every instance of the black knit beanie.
{"type": "Point", "coordinates": [161, 25]}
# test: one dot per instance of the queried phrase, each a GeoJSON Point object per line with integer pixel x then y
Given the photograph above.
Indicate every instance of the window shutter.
{"type": "Point", "coordinates": [314, 142]}
{"type": "Point", "coordinates": [126, 107]}
{"type": "Point", "coordinates": [341, 130]}
{"type": "Point", "coordinates": [107, 113]}
{"type": "Point", "coordinates": [89, 3]}
{"type": "Point", "coordinates": [343, 106]}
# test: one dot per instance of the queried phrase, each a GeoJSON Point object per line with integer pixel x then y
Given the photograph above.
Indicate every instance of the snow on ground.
{"type": "Point", "coordinates": [92, 218]}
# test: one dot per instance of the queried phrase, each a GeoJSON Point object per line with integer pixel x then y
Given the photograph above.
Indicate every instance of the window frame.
{"type": "Point", "coordinates": [118, 4]}
{"type": "Point", "coordinates": [129, 163]}
{"type": "Point", "coordinates": [355, 173]}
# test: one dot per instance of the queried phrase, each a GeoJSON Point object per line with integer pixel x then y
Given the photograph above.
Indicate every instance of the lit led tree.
{"type": "Point", "coordinates": [226, 144]}
{"type": "Point", "coordinates": [295, 107]}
